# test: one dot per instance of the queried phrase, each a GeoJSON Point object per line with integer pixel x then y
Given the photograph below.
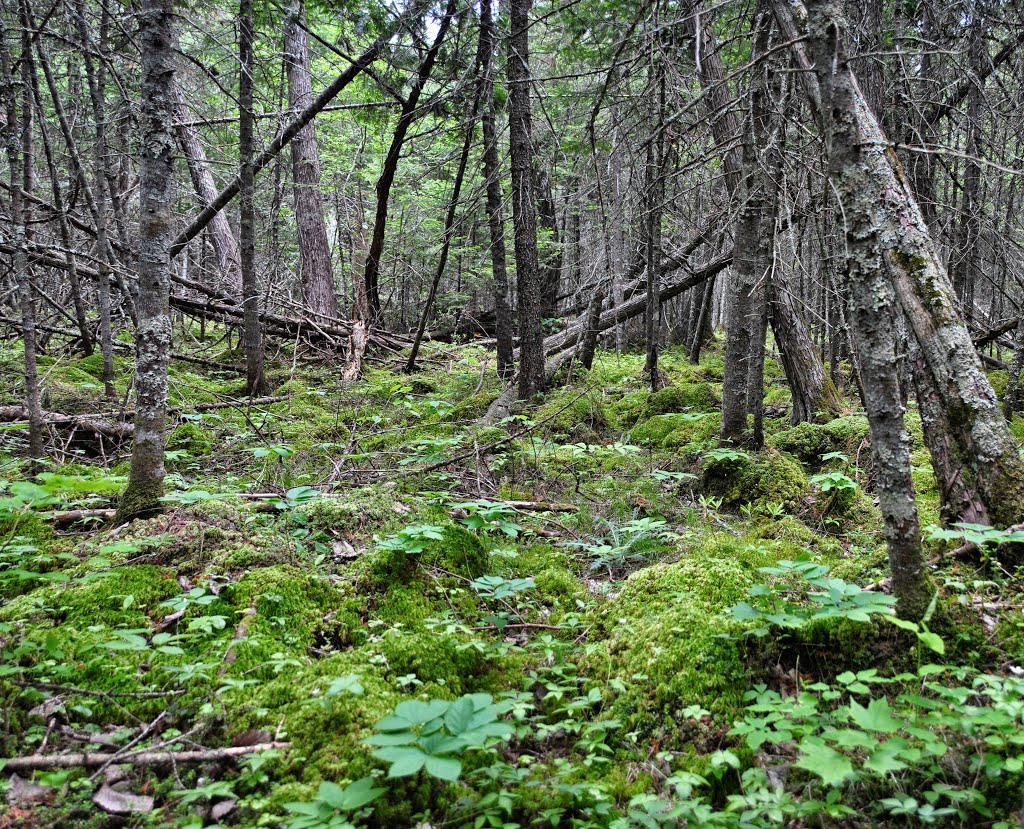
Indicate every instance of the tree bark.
{"type": "Point", "coordinates": [225, 245]}
{"type": "Point", "coordinates": [492, 172]}
{"type": "Point", "coordinates": [871, 303]}
{"type": "Point", "coordinates": [371, 276]}
{"type": "Point", "coordinates": [524, 207]}
{"type": "Point", "coordinates": [314, 252]}
{"type": "Point", "coordinates": [878, 199]}
{"type": "Point", "coordinates": [812, 389]}
{"type": "Point", "coordinates": [252, 333]}
{"type": "Point", "coordinates": [13, 144]}
{"type": "Point", "coordinates": [156, 193]}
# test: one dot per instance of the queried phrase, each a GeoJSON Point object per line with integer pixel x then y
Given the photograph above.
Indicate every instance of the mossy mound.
{"type": "Point", "coordinates": [664, 639]}
{"type": "Point", "coordinates": [568, 414]}
{"type": "Point", "coordinates": [190, 438]}
{"type": "Point", "coordinates": [809, 441]}
{"type": "Point", "coordinates": [125, 596]}
{"type": "Point", "coordinates": [459, 552]}
{"type": "Point", "coordinates": [636, 406]}
{"type": "Point", "coordinates": [768, 478]}
{"type": "Point", "coordinates": [355, 511]}
{"type": "Point", "coordinates": [677, 430]}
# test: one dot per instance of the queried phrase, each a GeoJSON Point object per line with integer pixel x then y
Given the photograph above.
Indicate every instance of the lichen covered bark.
{"type": "Point", "coordinates": [156, 192]}
{"type": "Point", "coordinates": [857, 175]}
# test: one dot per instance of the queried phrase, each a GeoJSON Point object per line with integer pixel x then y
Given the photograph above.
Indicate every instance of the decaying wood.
{"type": "Point", "coordinates": [88, 759]}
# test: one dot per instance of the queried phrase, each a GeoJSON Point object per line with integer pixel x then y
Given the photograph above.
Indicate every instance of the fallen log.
{"type": "Point", "coordinates": [573, 335]}
{"type": "Point", "coordinates": [89, 759]}
{"type": "Point", "coordinates": [87, 423]}
{"type": "Point", "coordinates": [987, 335]}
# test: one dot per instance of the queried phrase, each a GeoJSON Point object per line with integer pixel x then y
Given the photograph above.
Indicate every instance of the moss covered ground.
{"type": "Point", "coordinates": [578, 562]}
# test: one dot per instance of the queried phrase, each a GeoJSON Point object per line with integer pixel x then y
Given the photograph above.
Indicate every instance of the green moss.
{"type": "Point", "coordinates": [770, 477]}
{"type": "Point", "coordinates": [1017, 428]}
{"type": "Point", "coordinates": [190, 438]}
{"type": "Point", "coordinates": [669, 431]}
{"type": "Point", "coordinates": [809, 441]}
{"type": "Point", "coordinates": [437, 659]}
{"type": "Point", "coordinates": [558, 587]}
{"type": "Point", "coordinates": [567, 413]}
{"type": "Point", "coordinates": [664, 640]}
{"type": "Point", "coordinates": [102, 598]}
{"type": "Point", "coordinates": [458, 552]}
{"type": "Point", "coordinates": [289, 606]}
{"type": "Point", "coordinates": [357, 511]}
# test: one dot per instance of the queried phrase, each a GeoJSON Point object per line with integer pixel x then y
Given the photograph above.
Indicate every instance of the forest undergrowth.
{"type": "Point", "coordinates": [367, 606]}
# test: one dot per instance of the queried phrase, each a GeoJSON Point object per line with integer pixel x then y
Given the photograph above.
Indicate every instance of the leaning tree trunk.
{"type": "Point", "coordinates": [156, 228]}
{"type": "Point", "coordinates": [812, 389]}
{"type": "Point", "coordinates": [225, 245]}
{"type": "Point", "coordinates": [871, 303]}
{"type": "Point", "coordinates": [524, 208]}
{"type": "Point", "coordinates": [410, 111]}
{"type": "Point", "coordinates": [314, 251]}
{"type": "Point", "coordinates": [879, 201]}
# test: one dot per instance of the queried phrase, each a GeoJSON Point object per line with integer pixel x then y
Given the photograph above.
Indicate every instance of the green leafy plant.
{"type": "Point", "coordinates": [413, 539]}
{"type": "Point", "coordinates": [486, 516]}
{"type": "Point", "coordinates": [430, 735]}
{"type": "Point", "coordinates": [335, 807]}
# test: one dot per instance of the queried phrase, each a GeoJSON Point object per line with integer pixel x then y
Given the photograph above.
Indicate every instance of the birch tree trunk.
{"type": "Point", "coordinates": [156, 194]}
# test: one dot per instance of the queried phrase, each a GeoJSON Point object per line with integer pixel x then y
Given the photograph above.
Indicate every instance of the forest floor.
{"type": "Point", "coordinates": [586, 615]}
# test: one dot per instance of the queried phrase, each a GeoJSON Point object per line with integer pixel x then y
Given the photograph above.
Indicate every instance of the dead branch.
{"type": "Point", "coordinates": [89, 759]}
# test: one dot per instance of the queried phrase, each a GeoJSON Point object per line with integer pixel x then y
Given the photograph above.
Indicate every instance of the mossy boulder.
{"type": "Point", "coordinates": [190, 438]}
{"type": "Point", "coordinates": [809, 441]}
{"type": "Point", "coordinates": [737, 478]}
{"type": "Point", "coordinates": [637, 406]}
{"type": "Point", "coordinates": [665, 639]}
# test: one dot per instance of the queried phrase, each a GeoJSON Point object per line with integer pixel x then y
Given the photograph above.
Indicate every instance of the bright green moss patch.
{"type": "Point", "coordinates": [768, 478]}
{"type": "Point", "coordinates": [664, 640]}
{"type": "Point", "coordinates": [809, 441]}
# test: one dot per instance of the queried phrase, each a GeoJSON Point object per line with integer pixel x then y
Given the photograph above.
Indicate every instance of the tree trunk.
{"type": "Point", "coordinates": [371, 276]}
{"type": "Point", "coordinates": [752, 251]}
{"type": "Point", "coordinates": [492, 172]}
{"type": "Point", "coordinates": [550, 249]}
{"type": "Point", "coordinates": [872, 321]}
{"type": "Point", "coordinates": [252, 333]}
{"type": "Point", "coordinates": [446, 243]}
{"type": "Point", "coordinates": [156, 194]}
{"type": "Point", "coordinates": [812, 389]}
{"type": "Point", "coordinates": [13, 144]}
{"type": "Point", "coordinates": [314, 252]}
{"type": "Point", "coordinates": [225, 246]}
{"type": "Point", "coordinates": [1014, 393]}
{"type": "Point", "coordinates": [100, 151]}
{"type": "Point", "coordinates": [524, 208]}
{"type": "Point", "coordinates": [877, 200]}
